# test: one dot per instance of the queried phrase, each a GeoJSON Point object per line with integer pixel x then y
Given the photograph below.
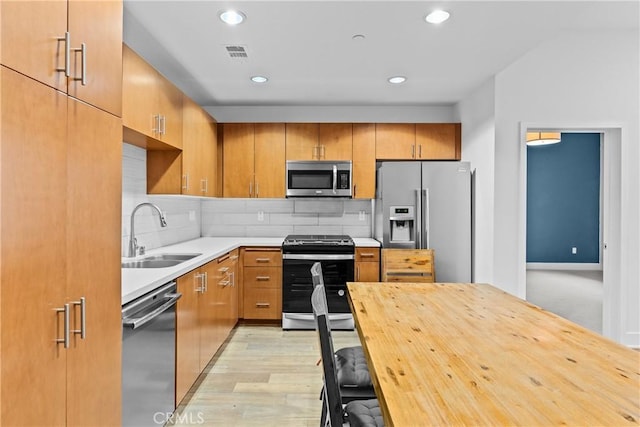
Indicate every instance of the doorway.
{"type": "Point", "coordinates": [580, 295]}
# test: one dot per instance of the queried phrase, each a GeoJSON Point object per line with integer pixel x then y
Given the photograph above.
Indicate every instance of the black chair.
{"type": "Point", "coordinates": [351, 364]}
{"type": "Point", "coordinates": [357, 413]}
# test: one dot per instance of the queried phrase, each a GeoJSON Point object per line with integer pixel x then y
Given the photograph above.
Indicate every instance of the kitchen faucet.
{"type": "Point", "coordinates": [133, 243]}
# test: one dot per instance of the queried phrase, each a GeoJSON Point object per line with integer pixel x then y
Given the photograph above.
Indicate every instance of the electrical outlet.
{"type": "Point", "coordinates": [574, 250]}
{"type": "Point", "coordinates": [260, 216]}
{"type": "Point", "coordinates": [361, 216]}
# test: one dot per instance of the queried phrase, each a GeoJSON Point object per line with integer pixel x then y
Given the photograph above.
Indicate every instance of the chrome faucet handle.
{"type": "Point", "coordinates": [141, 250]}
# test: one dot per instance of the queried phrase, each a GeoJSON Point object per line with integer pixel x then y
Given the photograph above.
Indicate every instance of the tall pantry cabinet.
{"type": "Point", "coordinates": [60, 217]}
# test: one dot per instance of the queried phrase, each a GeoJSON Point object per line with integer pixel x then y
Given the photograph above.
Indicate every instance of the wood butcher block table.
{"type": "Point", "coordinates": [471, 354]}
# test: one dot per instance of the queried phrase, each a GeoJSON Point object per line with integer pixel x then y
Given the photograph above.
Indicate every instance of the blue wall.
{"type": "Point", "coordinates": [563, 200]}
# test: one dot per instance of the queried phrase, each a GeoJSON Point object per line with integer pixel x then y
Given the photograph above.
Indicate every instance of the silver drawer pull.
{"type": "Point", "coordinates": [83, 318]}
{"type": "Point", "coordinates": [263, 259]}
{"type": "Point", "coordinates": [263, 278]}
{"type": "Point", "coordinates": [263, 304]}
{"type": "Point", "coordinates": [223, 269]}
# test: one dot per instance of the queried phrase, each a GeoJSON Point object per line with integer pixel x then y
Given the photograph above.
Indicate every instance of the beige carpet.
{"type": "Point", "coordinates": [574, 295]}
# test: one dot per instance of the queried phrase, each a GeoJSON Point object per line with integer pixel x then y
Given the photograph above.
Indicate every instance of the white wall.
{"type": "Point", "coordinates": [579, 79]}
{"type": "Point", "coordinates": [477, 115]}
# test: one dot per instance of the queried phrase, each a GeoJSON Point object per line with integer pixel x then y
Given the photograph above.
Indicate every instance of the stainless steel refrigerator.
{"type": "Point", "coordinates": [427, 205]}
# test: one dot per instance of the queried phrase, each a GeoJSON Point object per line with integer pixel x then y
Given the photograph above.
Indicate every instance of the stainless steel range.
{"type": "Point", "coordinates": [336, 255]}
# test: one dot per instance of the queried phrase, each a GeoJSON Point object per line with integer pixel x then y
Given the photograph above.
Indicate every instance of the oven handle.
{"type": "Point", "coordinates": [318, 257]}
{"type": "Point", "coordinates": [137, 322]}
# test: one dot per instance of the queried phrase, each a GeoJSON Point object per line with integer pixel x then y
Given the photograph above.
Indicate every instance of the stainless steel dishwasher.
{"type": "Point", "coordinates": [148, 357]}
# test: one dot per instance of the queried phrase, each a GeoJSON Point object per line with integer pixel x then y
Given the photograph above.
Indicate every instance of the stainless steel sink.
{"type": "Point", "coordinates": [159, 261]}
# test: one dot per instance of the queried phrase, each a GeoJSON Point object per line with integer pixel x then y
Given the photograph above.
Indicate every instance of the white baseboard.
{"type": "Point", "coordinates": [563, 266]}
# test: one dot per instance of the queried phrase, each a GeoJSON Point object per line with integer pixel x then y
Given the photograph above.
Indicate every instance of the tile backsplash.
{"type": "Point", "coordinates": [192, 217]}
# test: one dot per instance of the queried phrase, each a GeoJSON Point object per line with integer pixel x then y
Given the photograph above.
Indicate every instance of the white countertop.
{"type": "Point", "coordinates": [138, 281]}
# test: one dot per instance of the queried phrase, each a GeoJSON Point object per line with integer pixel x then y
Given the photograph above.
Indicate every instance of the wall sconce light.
{"type": "Point", "coordinates": [543, 138]}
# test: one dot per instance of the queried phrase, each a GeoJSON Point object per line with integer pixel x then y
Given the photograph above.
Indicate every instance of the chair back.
{"type": "Point", "coordinates": [331, 390]}
{"type": "Point", "coordinates": [316, 274]}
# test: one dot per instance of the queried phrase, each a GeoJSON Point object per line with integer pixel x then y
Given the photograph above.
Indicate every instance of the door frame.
{"type": "Point", "coordinates": [611, 149]}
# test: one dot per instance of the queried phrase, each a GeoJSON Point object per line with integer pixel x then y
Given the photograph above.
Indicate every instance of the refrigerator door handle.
{"type": "Point", "coordinates": [419, 219]}
{"type": "Point", "coordinates": [427, 219]}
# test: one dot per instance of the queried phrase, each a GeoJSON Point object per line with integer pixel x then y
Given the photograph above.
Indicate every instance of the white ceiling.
{"type": "Point", "coordinates": [307, 51]}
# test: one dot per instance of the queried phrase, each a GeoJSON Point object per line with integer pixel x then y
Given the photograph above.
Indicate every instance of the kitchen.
{"type": "Point", "coordinates": [489, 116]}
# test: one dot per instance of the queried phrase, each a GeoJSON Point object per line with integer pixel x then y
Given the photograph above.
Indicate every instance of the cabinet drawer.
{"type": "Point", "coordinates": [262, 258]}
{"type": "Point", "coordinates": [367, 254]}
{"type": "Point", "coordinates": [262, 277]}
{"type": "Point", "coordinates": [262, 303]}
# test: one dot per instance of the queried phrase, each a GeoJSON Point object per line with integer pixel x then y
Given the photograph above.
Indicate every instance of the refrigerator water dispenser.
{"type": "Point", "coordinates": [402, 221]}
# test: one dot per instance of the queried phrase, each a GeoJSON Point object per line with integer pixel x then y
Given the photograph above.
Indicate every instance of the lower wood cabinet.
{"type": "Point", "coordinates": [262, 283]}
{"type": "Point", "coordinates": [367, 265]}
{"type": "Point", "coordinates": [205, 315]}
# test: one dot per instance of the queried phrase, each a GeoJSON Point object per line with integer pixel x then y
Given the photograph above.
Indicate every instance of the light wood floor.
{"type": "Point", "coordinates": [262, 376]}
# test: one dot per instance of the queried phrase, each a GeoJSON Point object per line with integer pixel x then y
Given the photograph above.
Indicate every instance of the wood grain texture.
{"type": "Point", "coordinates": [238, 158]}
{"type": "Point", "coordinates": [364, 161]}
{"type": "Point", "coordinates": [438, 141]}
{"type": "Point", "coordinates": [335, 141]}
{"type": "Point", "coordinates": [302, 141]}
{"type": "Point", "coordinates": [408, 265]}
{"type": "Point", "coordinates": [395, 141]}
{"type": "Point", "coordinates": [471, 354]}
{"type": "Point", "coordinates": [269, 160]}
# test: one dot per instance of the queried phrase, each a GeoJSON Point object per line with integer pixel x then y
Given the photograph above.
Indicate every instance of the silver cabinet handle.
{"type": "Point", "coordinates": [83, 64]}
{"type": "Point", "coordinates": [67, 54]}
{"type": "Point", "coordinates": [232, 277]}
{"type": "Point", "coordinates": [263, 304]}
{"type": "Point", "coordinates": [163, 125]}
{"type": "Point", "coordinates": [155, 127]}
{"type": "Point", "coordinates": [204, 185]}
{"type": "Point", "coordinates": [83, 317]}
{"type": "Point", "coordinates": [257, 189]}
{"type": "Point", "coordinates": [413, 151]}
{"type": "Point", "coordinates": [205, 279]}
{"type": "Point", "coordinates": [263, 259]}
{"type": "Point", "coordinates": [420, 151]}
{"type": "Point", "coordinates": [199, 276]}
{"type": "Point", "coordinates": [357, 273]}
{"type": "Point", "coordinates": [223, 269]}
{"type": "Point", "coordinates": [186, 181]}
{"type": "Point", "coordinates": [65, 340]}
{"type": "Point", "coordinates": [250, 188]}
{"type": "Point", "coordinates": [263, 278]}
{"type": "Point", "coordinates": [323, 155]}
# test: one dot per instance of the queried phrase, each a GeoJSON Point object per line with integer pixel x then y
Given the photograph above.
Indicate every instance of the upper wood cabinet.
{"type": "Point", "coordinates": [199, 153]}
{"type": "Point", "coordinates": [364, 161]}
{"type": "Point", "coordinates": [313, 141]}
{"type": "Point", "coordinates": [192, 170]}
{"type": "Point", "coordinates": [439, 141]}
{"type": "Point", "coordinates": [254, 159]}
{"type": "Point", "coordinates": [395, 141]}
{"type": "Point", "coordinates": [422, 141]}
{"type": "Point", "coordinates": [151, 105]}
{"type": "Point", "coordinates": [74, 46]}
{"type": "Point", "coordinates": [67, 260]}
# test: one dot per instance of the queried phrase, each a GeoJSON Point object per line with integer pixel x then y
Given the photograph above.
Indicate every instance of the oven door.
{"type": "Point", "coordinates": [297, 286]}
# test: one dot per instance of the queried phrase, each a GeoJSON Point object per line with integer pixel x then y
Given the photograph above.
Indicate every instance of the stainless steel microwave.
{"type": "Point", "coordinates": [322, 178]}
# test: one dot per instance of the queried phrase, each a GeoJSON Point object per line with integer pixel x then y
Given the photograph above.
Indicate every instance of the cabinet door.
{"type": "Point", "coordinates": [139, 97]}
{"type": "Point", "coordinates": [209, 156]}
{"type": "Point", "coordinates": [211, 312]}
{"type": "Point", "coordinates": [30, 45]}
{"type": "Point", "coordinates": [269, 160]}
{"type": "Point", "coordinates": [33, 232]}
{"type": "Point", "coordinates": [364, 161]}
{"type": "Point", "coordinates": [97, 24]}
{"type": "Point", "coordinates": [169, 106]}
{"type": "Point", "coordinates": [94, 164]}
{"type": "Point", "coordinates": [438, 141]}
{"type": "Point", "coordinates": [238, 154]}
{"type": "Point", "coordinates": [302, 141]}
{"type": "Point", "coordinates": [335, 141]}
{"type": "Point", "coordinates": [187, 334]}
{"type": "Point", "coordinates": [395, 141]}
{"type": "Point", "coordinates": [192, 148]}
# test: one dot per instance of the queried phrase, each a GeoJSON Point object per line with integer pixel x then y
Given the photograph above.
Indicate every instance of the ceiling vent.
{"type": "Point", "coordinates": [237, 51]}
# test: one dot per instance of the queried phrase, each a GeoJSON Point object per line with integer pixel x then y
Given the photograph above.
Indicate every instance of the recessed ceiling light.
{"type": "Point", "coordinates": [259, 79]}
{"type": "Point", "coordinates": [232, 17]}
{"type": "Point", "coordinates": [397, 79]}
{"type": "Point", "coordinates": [437, 17]}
